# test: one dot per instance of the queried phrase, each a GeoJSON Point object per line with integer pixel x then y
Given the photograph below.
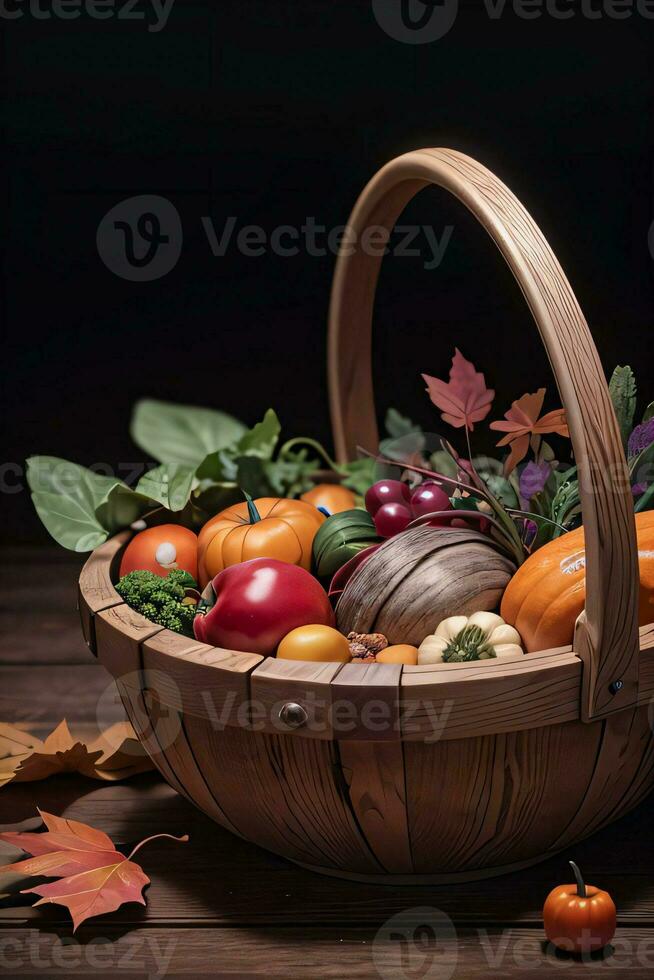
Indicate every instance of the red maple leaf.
{"type": "Point", "coordinates": [95, 878]}
{"type": "Point", "coordinates": [522, 423]}
{"type": "Point", "coordinates": [465, 399]}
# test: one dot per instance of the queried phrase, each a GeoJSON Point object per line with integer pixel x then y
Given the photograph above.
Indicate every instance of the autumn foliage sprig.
{"type": "Point", "coordinates": [465, 399]}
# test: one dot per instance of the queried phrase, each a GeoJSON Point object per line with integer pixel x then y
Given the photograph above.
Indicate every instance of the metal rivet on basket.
{"type": "Point", "coordinates": [616, 686]}
{"type": "Point", "coordinates": [293, 715]}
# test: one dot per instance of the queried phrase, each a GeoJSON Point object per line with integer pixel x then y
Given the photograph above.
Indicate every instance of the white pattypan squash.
{"type": "Point", "coordinates": [459, 639]}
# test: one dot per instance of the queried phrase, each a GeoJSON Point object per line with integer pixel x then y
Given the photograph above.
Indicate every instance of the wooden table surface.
{"type": "Point", "coordinates": [219, 907]}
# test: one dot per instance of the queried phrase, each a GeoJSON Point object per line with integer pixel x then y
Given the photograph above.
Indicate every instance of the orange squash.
{"type": "Point", "coordinates": [547, 593]}
{"type": "Point", "coordinates": [331, 496]}
{"type": "Point", "coordinates": [269, 527]}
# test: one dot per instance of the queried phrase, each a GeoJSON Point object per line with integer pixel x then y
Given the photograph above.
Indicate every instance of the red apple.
{"type": "Point", "coordinates": [258, 602]}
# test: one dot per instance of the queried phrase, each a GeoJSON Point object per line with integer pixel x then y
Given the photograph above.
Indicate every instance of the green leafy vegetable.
{"type": "Point", "coordinates": [169, 485]}
{"type": "Point", "coordinates": [78, 507]}
{"type": "Point", "coordinates": [622, 388]}
{"type": "Point", "coordinates": [182, 434]}
{"type": "Point", "coordinates": [262, 439]}
{"type": "Point", "coordinates": [161, 600]}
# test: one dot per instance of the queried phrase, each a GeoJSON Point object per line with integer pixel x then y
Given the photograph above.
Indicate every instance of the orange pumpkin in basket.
{"type": "Point", "coordinates": [547, 593]}
{"type": "Point", "coordinates": [269, 527]}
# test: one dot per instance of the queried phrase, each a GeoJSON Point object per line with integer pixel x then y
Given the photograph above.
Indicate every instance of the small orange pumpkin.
{"type": "Point", "coordinates": [547, 593]}
{"type": "Point", "coordinates": [269, 527]}
{"type": "Point", "coordinates": [579, 918]}
{"type": "Point", "coordinates": [331, 496]}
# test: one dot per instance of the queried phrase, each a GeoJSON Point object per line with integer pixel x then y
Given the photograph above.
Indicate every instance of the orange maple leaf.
{"type": "Point", "coordinates": [522, 423]}
{"type": "Point", "coordinates": [115, 754]}
{"type": "Point", "coordinates": [465, 399]}
{"type": "Point", "coordinates": [95, 878]}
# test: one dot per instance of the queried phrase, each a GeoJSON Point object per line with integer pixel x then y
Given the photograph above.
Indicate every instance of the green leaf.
{"type": "Point", "coordinates": [122, 507]}
{"type": "Point", "coordinates": [252, 476]}
{"type": "Point", "coordinates": [169, 485]}
{"type": "Point", "coordinates": [398, 425]}
{"type": "Point", "coordinates": [649, 412]}
{"type": "Point", "coordinates": [78, 507]}
{"type": "Point", "coordinates": [442, 462]}
{"type": "Point", "coordinates": [360, 474]}
{"type": "Point", "coordinates": [646, 502]}
{"type": "Point", "coordinates": [291, 476]}
{"type": "Point", "coordinates": [182, 434]}
{"type": "Point", "coordinates": [501, 488]}
{"type": "Point", "coordinates": [622, 388]}
{"type": "Point", "coordinates": [262, 439]}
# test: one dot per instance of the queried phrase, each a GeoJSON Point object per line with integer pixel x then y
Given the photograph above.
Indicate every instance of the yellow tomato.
{"type": "Point", "coordinates": [317, 643]}
{"type": "Point", "coordinates": [401, 653]}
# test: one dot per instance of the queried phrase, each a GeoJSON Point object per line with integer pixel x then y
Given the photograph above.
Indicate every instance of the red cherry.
{"type": "Point", "coordinates": [392, 518]}
{"type": "Point", "coordinates": [429, 498]}
{"type": "Point", "coordinates": [386, 492]}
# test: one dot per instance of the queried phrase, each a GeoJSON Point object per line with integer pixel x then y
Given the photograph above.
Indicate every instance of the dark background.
{"type": "Point", "coordinates": [273, 111]}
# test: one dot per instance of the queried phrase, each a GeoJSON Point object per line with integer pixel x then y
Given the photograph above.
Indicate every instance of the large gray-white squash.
{"type": "Point", "coordinates": [420, 577]}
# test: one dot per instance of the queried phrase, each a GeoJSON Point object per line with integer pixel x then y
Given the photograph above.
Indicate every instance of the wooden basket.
{"type": "Point", "coordinates": [431, 773]}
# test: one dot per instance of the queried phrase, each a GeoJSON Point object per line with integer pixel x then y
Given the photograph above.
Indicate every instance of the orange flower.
{"type": "Point", "coordinates": [523, 424]}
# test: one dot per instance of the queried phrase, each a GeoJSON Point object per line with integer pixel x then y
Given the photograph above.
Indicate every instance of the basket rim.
{"type": "Point", "coordinates": [423, 702]}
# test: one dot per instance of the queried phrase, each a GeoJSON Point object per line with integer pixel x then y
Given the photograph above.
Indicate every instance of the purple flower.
{"type": "Point", "coordinates": [638, 489]}
{"type": "Point", "coordinates": [641, 438]}
{"type": "Point", "coordinates": [533, 479]}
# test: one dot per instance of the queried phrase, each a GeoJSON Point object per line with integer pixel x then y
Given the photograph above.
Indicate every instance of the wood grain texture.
{"type": "Point", "coordinates": [200, 680]}
{"type": "Point", "coordinates": [606, 638]}
{"type": "Point", "coordinates": [220, 879]}
{"type": "Point", "coordinates": [444, 702]}
{"type": "Point", "coordinates": [275, 683]}
{"type": "Point", "coordinates": [314, 952]}
{"type": "Point", "coordinates": [96, 590]}
{"type": "Point", "coordinates": [120, 632]}
{"type": "Point", "coordinates": [283, 793]}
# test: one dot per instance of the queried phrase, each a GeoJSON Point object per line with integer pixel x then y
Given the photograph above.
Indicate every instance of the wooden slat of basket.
{"type": "Point", "coordinates": [506, 806]}
{"type": "Point", "coordinates": [120, 632]}
{"type": "Point", "coordinates": [275, 683]}
{"type": "Point", "coordinates": [365, 702]}
{"type": "Point", "coordinates": [451, 703]}
{"type": "Point", "coordinates": [280, 791]}
{"type": "Point", "coordinates": [202, 680]}
{"type": "Point", "coordinates": [96, 591]}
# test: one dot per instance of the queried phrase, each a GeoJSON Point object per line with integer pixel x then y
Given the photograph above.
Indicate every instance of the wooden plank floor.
{"type": "Point", "coordinates": [219, 907]}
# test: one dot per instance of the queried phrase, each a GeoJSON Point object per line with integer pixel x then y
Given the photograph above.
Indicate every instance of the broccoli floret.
{"type": "Point", "coordinates": [160, 599]}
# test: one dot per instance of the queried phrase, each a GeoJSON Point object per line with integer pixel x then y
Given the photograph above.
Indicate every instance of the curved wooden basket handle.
{"type": "Point", "coordinates": [606, 635]}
